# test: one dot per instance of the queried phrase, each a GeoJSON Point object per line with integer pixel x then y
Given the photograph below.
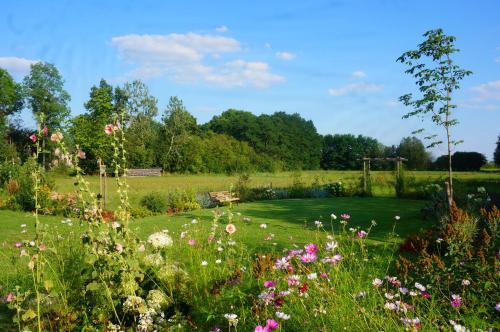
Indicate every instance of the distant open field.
{"type": "Point", "coordinates": [383, 182]}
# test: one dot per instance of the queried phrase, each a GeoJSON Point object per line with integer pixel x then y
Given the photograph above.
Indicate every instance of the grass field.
{"type": "Point", "coordinates": [285, 218]}
{"type": "Point", "coordinates": [383, 182]}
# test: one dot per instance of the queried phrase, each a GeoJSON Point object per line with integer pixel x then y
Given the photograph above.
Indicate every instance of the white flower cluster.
{"type": "Point", "coordinates": [134, 304]}
{"type": "Point", "coordinates": [160, 240]}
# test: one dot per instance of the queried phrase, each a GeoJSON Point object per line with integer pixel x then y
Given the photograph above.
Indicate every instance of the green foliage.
{"type": "Point", "coordinates": [496, 154]}
{"type": "Point", "coordinates": [413, 149]}
{"type": "Point", "coordinates": [154, 202]}
{"type": "Point", "coordinates": [44, 88]}
{"type": "Point", "coordinates": [182, 200]}
{"type": "Point", "coordinates": [345, 151]}
{"type": "Point", "coordinates": [11, 95]}
{"type": "Point", "coordinates": [461, 161]}
{"type": "Point", "coordinates": [335, 189]}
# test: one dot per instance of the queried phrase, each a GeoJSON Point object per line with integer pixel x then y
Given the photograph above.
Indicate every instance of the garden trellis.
{"type": "Point", "coordinates": [398, 161]}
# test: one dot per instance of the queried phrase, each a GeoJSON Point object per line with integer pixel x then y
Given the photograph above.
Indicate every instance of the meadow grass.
{"type": "Point", "coordinates": [382, 182]}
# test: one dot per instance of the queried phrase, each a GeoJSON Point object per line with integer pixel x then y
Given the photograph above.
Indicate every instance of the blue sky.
{"type": "Point", "coordinates": [331, 61]}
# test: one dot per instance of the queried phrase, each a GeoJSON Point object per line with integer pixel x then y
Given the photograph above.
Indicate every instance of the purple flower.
{"type": "Point", "coordinates": [272, 324]}
{"type": "Point", "coordinates": [456, 301]}
{"type": "Point", "coordinates": [269, 283]}
{"type": "Point", "coordinates": [362, 234]}
{"type": "Point", "coordinates": [308, 258]}
{"type": "Point", "coordinates": [311, 248]}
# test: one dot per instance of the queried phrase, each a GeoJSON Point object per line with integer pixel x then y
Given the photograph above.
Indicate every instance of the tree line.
{"type": "Point", "coordinates": [234, 141]}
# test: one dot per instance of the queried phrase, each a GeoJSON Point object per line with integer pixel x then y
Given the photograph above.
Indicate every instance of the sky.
{"type": "Point", "coordinates": [333, 62]}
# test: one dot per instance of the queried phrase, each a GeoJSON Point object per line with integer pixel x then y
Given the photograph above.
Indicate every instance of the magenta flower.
{"type": "Point", "coordinates": [311, 248]}
{"type": "Point", "coordinates": [33, 138]}
{"type": "Point", "coordinates": [18, 244]}
{"type": "Point", "coordinates": [456, 301]}
{"type": "Point", "coordinates": [345, 216]}
{"type": "Point", "coordinates": [425, 295]}
{"type": "Point", "coordinates": [272, 324]}
{"type": "Point", "coordinates": [269, 283]}
{"type": "Point", "coordinates": [308, 258]}
{"type": "Point", "coordinates": [362, 234]}
{"type": "Point", "coordinates": [192, 242]}
{"type": "Point", "coordinates": [260, 328]}
{"type": "Point", "coordinates": [45, 131]}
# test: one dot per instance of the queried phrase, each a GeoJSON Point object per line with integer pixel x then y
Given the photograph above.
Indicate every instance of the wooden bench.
{"type": "Point", "coordinates": [144, 172]}
{"type": "Point", "coordinates": [220, 197]}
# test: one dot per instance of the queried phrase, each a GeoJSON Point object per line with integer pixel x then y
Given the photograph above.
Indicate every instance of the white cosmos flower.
{"type": "Point", "coordinates": [160, 240]}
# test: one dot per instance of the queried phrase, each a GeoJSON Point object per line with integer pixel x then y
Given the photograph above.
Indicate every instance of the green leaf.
{"type": "Point", "coordinates": [28, 315]}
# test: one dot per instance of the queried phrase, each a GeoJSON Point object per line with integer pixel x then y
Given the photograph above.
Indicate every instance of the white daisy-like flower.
{"type": "Point", "coordinates": [160, 240]}
{"type": "Point", "coordinates": [282, 315]}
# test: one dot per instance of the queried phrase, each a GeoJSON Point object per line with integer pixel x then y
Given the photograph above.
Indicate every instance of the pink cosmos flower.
{"type": "Point", "coordinates": [311, 248]}
{"type": "Point", "coordinates": [33, 138]}
{"type": "Point", "coordinates": [10, 297]}
{"type": "Point", "coordinates": [293, 280]}
{"type": "Point", "coordinates": [345, 216]}
{"type": "Point", "coordinates": [18, 244]}
{"type": "Point", "coordinates": [260, 328]}
{"type": "Point", "coordinates": [272, 324]}
{"type": "Point", "coordinates": [45, 131]}
{"type": "Point", "coordinates": [362, 234]}
{"type": "Point", "coordinates": [456, 301]}
{"type": "Point", "coordinates": [192, 242]}
{"type": "Point", "coordinates": [230, 228]}
{"type": "Point", "coordinates": [323, 275]}
{"type": "Point", "coordinates": [282, 263]}
{"type": "Point", "coordinates": [108, 129]}
{"type": "Point", "coordinates": [269, 283]}
{"type": "Point", "coordinates": [42, 247]}
{"type": "Point", "coordinates": [308, 258]}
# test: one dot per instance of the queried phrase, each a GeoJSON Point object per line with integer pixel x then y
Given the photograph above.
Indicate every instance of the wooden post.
{"type": "Point", "coordinates": [364, 176]}
{"type": "Point", "coordinates": [398, 161]}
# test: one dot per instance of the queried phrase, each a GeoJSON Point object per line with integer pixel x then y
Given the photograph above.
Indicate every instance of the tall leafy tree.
{"type": "Point", "coordinates": [11, 101]}
{"type": "Point", "coordinates": [413, 149]}
{"type": "Point", "coordinates": [496, 154]}
{"type": "Point", "coordinates": [437, 77]}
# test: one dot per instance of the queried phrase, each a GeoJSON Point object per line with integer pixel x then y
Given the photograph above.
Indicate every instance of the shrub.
{"type": "Point", "coordinates": [141, 212]}
{"type": "Point", "coordinates": [335, 189]}
{"type": "Point", "coordinates": [154, 202]}
{"type": "Point", "coordinates": [8, 170]}
{"type": "Point", "coordinates": [203, 199]}
{"type": "Point", "coordinates": [182, 200]}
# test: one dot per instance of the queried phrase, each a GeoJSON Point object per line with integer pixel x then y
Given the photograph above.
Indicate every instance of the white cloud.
{"type": "Point", "coordinates": [182, 58]}
{"type": "Point", "coordinates": [242, 73]}
{"type": "Point", "coordinates": [222, 29]}
{"type": "Point", "coordinates": [487, 91]}
{"type": "Point", "coordinates": [287, 56]}
{"type": "Point", "coordinates": [358, 74]}
{"type": "Point", "coordinates": [16, 66]}
{"type": "Point", "coordinates": [497, 59]}
{"type": "Point", "coordinates": [354, 88]}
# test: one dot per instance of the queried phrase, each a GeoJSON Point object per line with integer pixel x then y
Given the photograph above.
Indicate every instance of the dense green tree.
{"type": "Point", "coordinates": [437, 77]}
{"type": "Point", "coordinates": [87, 130]}
{"type": "Point", "coordinates": [345, 151]}
{"type": "Point", "coordinates": [141, 129]}
{"type": "Point", "coordinates": [11, 102]}
{"type": "Point", "coordinates": [496, 154]}
{"type": "Point", "coordinates": [461, 161]}
{"type": "Point", "coordinates": [44, 88]}
{"type": "Point", "coordinates": [413, 149]}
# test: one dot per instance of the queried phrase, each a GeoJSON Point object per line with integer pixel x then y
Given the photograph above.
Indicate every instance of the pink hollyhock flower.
{"type": "Point", "coordinates": [362, 234]}
{"type": "Point", "coordinates": [272, 324]}
{"type": "Point", "coordinates": [345, 216]}
{"type": "Point", "coordinates": [192, 242]}
{"type": "Point", "coordinates": [81, 154]}
{"type": "Point", "coordinates": [56, 137]}
{"type": "Point", "coordinates": [33, 138]}
{"type": "Point", "coordinates": [311, 248]}
{"type": "Point", "coordinates": [45, 131]}
{"type": "Point", "coordinates": [18, 244]}
{"type": "Point", "coordinates": [308, 258]}
{"type": "Point", "coordinates": [108, 129]}
{"type": "Point", "coordinates": [230, 228]}
{"type": "Point", "coordinates": [456, 301]}
{"type": "Point", "coordinates": [269, 283]}
{"type": "Point", "coordinates": [10, 297]}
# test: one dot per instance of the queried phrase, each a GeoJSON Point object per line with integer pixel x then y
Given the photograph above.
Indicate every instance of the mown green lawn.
{"type": "Point", "coordinates": [289, 221]}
